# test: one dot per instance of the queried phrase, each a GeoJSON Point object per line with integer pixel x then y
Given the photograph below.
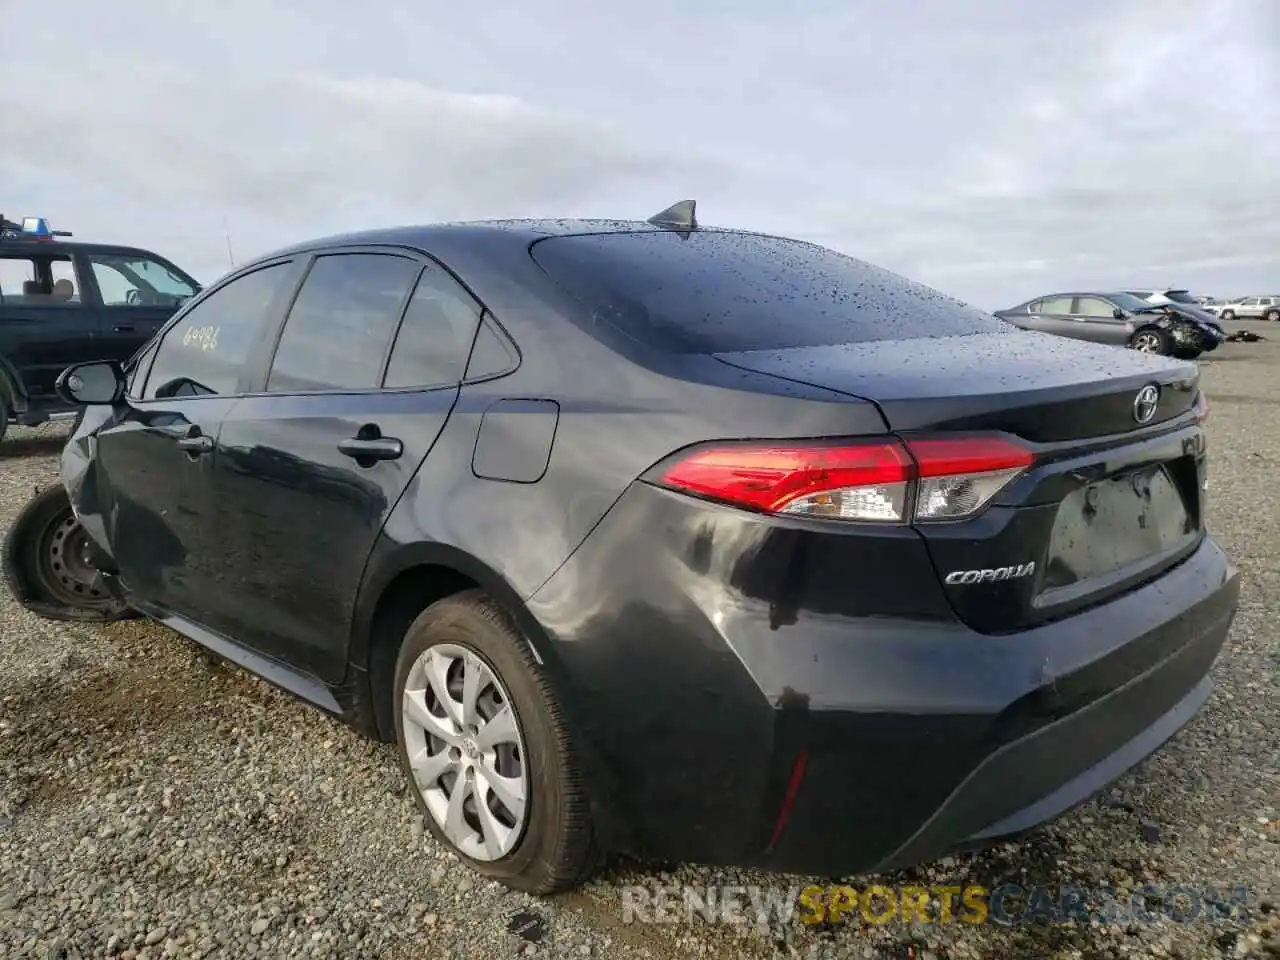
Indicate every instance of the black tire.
{"type": "Point", "coordinates": [44, 568]}
{"type": "Point", "coordinates": [1227, 315]}
{"type": "Point", "coordinates": [1187, 353]}
{"type": "Point", "coordinates": [4, 412]}
{"type": "Point", "coordinates": [1151, 340]}
{"type": "Point", "coordinates": [557, 849]}
{"type": "Point", "coordinates": [1273, 315]}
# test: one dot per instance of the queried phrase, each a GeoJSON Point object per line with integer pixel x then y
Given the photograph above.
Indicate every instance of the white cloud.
{"type": "Point", "coordinates": [992, 148]}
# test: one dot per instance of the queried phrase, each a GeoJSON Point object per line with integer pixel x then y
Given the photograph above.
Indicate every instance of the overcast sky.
{"type": "Point", "coordinates": [994, 149]}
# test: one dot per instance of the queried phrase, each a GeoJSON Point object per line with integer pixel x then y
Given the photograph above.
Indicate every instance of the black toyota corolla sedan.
{"type": "Point", "coordinates": [645, 537]}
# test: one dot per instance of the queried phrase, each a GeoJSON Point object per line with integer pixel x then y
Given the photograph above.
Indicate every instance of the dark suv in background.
{"type": "Point", "coordinates": [64, 302]}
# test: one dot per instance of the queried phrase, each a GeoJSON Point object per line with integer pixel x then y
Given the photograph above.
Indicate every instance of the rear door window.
{"type": "Point", "coordinates": [1057, 306]}
{"type": "Point", "coordinates": [342, 322]}
{"type": "Point", "coordinates": [47, 281]}
{"type": "Point", "coordinates": [435, 335]}
{"type": "Point", "coordinates": [717, 291]}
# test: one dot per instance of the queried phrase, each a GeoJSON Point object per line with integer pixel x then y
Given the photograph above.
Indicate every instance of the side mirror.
{"type": "Point", "coordinates": [1118, 313]}
{"type": "Point", "coordinates": [92, 384]}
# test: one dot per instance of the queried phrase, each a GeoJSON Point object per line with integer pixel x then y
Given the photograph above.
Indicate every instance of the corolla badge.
{"type": "Point", "coordinates": [1145, 403]}
{"type": "Point", "coordinates": [990, 574]}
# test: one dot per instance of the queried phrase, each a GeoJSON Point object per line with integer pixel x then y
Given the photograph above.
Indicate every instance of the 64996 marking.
{"type": "Point", "coordinates": [206, 338]}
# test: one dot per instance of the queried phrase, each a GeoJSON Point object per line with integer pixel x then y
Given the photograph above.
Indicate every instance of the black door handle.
{"type": "Point", "coordinates": [123, 328]}
{"type": "Point", "coordinates": [373, 448]}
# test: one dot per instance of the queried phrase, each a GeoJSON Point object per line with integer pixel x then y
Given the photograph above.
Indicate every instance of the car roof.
{"type": "Point", "coordinates": [25, 247]}
{"type": "Point", "coordinates": [1076, 293]}
{"type": "Point", "coordinates": [440, 237]}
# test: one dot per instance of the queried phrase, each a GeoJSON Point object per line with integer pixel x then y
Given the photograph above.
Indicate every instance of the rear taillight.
{"type": "Point", "coordinates": [879, 481]}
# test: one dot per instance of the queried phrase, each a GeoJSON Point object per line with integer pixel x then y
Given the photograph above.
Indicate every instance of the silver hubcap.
{"type": "Point", "coordinates": [463, 740]}
{"type": "Point", "coordinates": [1146, 343]}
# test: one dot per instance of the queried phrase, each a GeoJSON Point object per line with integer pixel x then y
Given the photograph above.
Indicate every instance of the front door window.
{"type": "Point", "coordinates": [135, 280]}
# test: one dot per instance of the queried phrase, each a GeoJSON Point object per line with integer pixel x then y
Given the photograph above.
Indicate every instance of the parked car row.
{"type": "Point", "coordinates": [1247, 308]}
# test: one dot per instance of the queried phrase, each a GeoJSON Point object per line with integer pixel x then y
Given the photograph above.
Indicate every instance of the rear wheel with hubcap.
{"type": "Point", "coordinates": [484, 743]}
{"type": "Point", "coordinates": [46, 565]}
{"type": "Point", "coordinates": [1273, 314]}
{"type": "Point", "coordinates": [1150, 340]}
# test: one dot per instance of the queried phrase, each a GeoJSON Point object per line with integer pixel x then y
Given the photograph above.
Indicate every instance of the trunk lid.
{"type": "Point", "coordinates": [1042, 388]}
{"type": "Point", "coordinates": [1110, 503]}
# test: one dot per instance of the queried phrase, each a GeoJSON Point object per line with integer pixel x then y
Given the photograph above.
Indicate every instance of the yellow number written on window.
{"type": "Point", "coordinates": [203, 338]}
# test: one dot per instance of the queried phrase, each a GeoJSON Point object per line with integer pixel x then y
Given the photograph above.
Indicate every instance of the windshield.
{"type": "Point", "coordinates": [1181, 296]}
{"type": "Point", "coordinates": [1128, 302]}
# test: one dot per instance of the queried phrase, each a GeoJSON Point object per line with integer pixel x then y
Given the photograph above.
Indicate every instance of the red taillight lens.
{"type": "Point", "coordinates": [776, 478]}
{"type": "Point", "coordinates": [883, 480]}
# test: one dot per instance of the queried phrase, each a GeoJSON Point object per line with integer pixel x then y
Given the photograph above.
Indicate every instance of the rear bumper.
{"type": "Point", "coordinates": [1083, 729]}
{"type": "Point", "coordinates": [750, 672]}
{"type": "Point", "coordinates": [1040, 776]}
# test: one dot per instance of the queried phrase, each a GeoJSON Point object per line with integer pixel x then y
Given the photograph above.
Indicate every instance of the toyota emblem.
{"type": "Point", "coordinates": [1145, 403]}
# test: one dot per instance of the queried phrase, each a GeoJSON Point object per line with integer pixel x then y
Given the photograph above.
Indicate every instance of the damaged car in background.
{"type": "Point", "coordinates": [1170, 329]}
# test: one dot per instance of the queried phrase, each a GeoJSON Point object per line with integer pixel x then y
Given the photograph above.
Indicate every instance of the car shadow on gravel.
{"type": "Point", "coordinates": [37, 446]}
{"type": "Point", "coordinates": [1230, 358]}
{"type": "Point", "coordinates": [95, 712]}
{"type": "Point", "coordinates": [1052, 860]}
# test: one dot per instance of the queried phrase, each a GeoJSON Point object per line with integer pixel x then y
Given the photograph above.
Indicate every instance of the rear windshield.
{"type": "Point", "coordinates": [721, 292]}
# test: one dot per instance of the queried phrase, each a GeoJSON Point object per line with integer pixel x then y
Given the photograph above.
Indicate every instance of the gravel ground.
{"type": "Point", "coordinates": [154, 803]}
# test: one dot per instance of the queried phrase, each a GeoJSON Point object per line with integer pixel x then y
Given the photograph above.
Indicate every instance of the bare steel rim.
{"type": "Point", "coordinates": [63, 566]}
{"type": "Point", "coordinates": [464, 745]}
{"type": "Point", "coordinates": [1146, 342]}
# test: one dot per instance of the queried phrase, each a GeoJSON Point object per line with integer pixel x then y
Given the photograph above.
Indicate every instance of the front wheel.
{"type": "Point", "coordinates": [46, 566]}
{"type": "Point", "coordinates": [485, 745]}
{"type": "Point", "coordinates": [1150, 340]}
{"type": "Point", "coordinates": [1227, 315]}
